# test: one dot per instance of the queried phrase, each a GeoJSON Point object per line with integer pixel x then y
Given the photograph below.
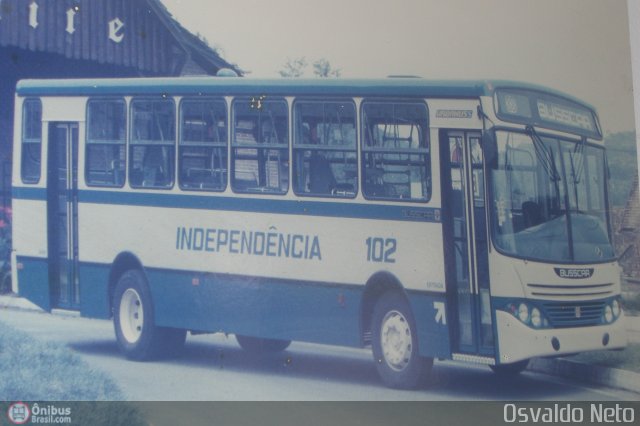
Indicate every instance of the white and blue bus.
{"type": "Point", "coordinates": [425, 219]}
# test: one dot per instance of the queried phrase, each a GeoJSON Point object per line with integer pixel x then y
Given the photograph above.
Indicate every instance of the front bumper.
{"type": "Point", "coordinates": [517, 341]}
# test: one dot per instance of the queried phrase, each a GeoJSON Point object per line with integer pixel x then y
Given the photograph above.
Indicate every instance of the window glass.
{"type": "Point", "coordinates": [324, 149]}
{"type": "Point", "coordinates": [396, 152]}
{"type": "Point", "coordinates": [31, 140]}
{"type": "Point", "coordinates": [203, 144]}
{"type": "Point", "coordinates": [260, 145]}
{"type": "Point", "coordinates": [153, 137]}
{"type": "Point", "coordinates": [549, 200]}
{"type": "Point", "coordinates": [106, 154]}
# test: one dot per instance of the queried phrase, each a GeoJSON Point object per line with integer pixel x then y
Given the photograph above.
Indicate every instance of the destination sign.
{"type": "Point", "coordinates": [546, 110]}
{"type": "Point", "coordinates": [565, 115]}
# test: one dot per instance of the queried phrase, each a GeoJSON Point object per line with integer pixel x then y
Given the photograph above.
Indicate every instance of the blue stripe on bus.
{"type": "Point", "coordinates": [29, 193]}
{"type": "Point", "coordinates": [238, 204]}
{"type": "Point", "coordinates": [261, 306]}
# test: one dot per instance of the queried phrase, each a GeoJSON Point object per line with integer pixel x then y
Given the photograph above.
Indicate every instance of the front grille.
{"type": "Point", "coordinates": [579, 290]}
{"type": "Point", "coordinates": [574, 314]}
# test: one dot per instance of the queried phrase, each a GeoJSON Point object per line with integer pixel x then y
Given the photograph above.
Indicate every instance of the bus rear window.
{"type": "Point", "coordinates": [31, 141]}
{"type": "Point", "coordinates": [106, 152]}
{"type": "Point", "coordinates": [396, 154]}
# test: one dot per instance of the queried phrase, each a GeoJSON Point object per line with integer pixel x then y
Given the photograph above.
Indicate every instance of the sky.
{"type": "Point", "coordinates": [580, 47]}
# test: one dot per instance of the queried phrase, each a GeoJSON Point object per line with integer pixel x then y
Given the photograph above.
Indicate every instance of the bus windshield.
{"type": "Point", "coordinates": [548, 199]}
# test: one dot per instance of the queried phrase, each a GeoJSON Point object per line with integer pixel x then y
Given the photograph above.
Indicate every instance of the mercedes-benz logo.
{"type": "Point", "coordinates": [599, 252]}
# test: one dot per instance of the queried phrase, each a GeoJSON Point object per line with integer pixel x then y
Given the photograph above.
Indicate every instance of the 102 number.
{"type": "Point", "coordinates": [381, 249]}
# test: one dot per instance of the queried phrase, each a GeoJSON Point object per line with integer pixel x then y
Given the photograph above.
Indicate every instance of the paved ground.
{"type": "Point", "coordinates": [213, 367]}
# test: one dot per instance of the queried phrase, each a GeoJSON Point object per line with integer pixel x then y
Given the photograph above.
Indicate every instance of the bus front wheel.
{"type": "Point", "coordinates": [137, 335]}
{"type": "Point", "coordinates": [395, 344]}
{"type": "Point", "coordinates": [258, 345]}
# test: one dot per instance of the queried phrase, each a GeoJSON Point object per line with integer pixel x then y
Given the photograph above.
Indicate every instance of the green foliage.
{"type": "Point", "coordinates": [33, 370]}
{"type": "Point", "coordinates": [296, 67]}
{"type": "Point", "coordinates": [621, 156]}
{"type": "Point", "coordinates": [323, 69]}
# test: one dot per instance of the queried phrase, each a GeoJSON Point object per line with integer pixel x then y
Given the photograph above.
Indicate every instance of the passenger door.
{"type": "Point", "coordinates": [466, 244]}
{"type": "Point", "coordinates": [62, 214]}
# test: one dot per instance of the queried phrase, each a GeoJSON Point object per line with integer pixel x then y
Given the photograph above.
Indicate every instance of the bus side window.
{"type": "Point", "coordinates": [324, 149]}
{"type": "Point", "coordinates": [30, 168]}
{"type": "Point", "coordinates": [396, 154]}
{"type": "Point", "coordinates": [105, 163]}
{"type": "Point", "coordinates": [153, 139]}
{"type": "Point", "coordinates": [203, 144]}
{"type": "Point", "coordinates": [260, 146]}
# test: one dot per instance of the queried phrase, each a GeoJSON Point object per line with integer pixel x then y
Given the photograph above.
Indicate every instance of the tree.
{"type": "Point", "coordinates": [294, 68]}
{"type": "Point", "coordinates": [322, 68]}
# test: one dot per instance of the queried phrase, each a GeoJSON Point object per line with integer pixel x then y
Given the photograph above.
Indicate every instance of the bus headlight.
{"type": "Point", "coordinates": [527, 314]}
{"type": "Point", "coordinates": [523, 313]}
{"type": "Point", "coordinates": [536, 318]}
{"type": "Point", "coordinates": [615, 308]}
{"type": "Point", "coordinates": [608, 314]}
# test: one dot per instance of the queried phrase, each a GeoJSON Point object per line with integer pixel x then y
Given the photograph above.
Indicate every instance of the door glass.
{"type": "Point", "coordinates": [59, 146]}
{"type": "Point", "coordinates": [63, 214]}
{"type": "Point", "coordinates": [469, 258]}
{"type": "Point", "coordinates": [460, 244]}
{"type": "Point", "coordinates": [73, 200]}
{"type": "Point", "coordinates": [482, 256]}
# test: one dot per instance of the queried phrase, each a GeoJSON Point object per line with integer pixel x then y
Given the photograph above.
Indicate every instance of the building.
{"type": "Point", "coordinates": [91, 38]}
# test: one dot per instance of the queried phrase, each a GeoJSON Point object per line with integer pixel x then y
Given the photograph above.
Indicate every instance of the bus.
{"type": "Point", "coordinates": [451, 220]}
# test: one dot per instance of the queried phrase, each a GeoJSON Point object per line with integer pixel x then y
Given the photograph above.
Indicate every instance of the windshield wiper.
{"type": "Point", "coordinates": [579, 150]}
{"type": "Point", "coordinates": [547, 160]}
{"type": "Point", "coordinates": [545, 157]}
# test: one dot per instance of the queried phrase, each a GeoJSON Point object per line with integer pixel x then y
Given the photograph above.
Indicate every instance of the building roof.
{"type": "Point", "coordinates": [196, 49]}
{"type": "Point", "coordinates": [134, 37]}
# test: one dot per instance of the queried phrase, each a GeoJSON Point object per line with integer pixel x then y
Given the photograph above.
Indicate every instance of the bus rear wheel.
{"type": "Point", "coordinates": [512, 369]}
{"type": "Point", "coordinates": [138, 337]}
{"type": "Point", "coordinates": [258, 345]}
{"type": "Point", "coordinates": [395, 344]}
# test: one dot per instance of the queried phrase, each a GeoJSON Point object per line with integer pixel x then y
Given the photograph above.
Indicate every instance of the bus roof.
{"type": "Point", "coordinates": [415, 87]}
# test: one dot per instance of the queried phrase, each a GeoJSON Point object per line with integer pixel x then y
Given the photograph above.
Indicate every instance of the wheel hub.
{"type": "Point", "coordinates": [131, 315]}
{"type": "Point", "coordinates": [396, 342]}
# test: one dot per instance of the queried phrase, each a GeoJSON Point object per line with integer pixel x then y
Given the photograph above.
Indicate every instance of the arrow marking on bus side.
{"type": "Point", "coordinates": [440, 317]}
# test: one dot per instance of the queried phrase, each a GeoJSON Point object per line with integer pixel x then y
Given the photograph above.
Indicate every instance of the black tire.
{"type": "Point", "coordinates": [395, 344]}
{"type": "Point", "coordinates": [258, 345]}
{"type": "Point", "coordinates": [512, 369]}
{"type": "Point", "coordinates": [138, 337]}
